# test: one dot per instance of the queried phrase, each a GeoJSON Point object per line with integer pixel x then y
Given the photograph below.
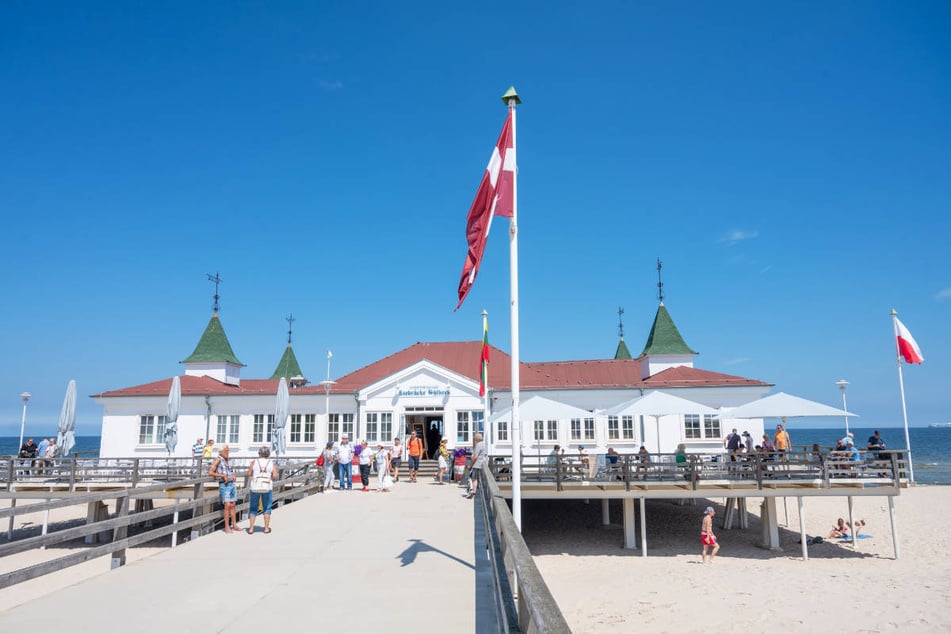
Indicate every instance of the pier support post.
{"type": "Point", "coordinates": [802, 528]}
{"type": "Point", "coordinates": [744, 515]}
{"type": "Point", "coordinates": [770, 524]}
{"type": "Point", "coordinates": [643, 528]}
{"type": "Point", "coordinates": [728, 512]}
{"type": "Point", "coordinates": [605, 512]}
{"type": "Point", "coordinates": [630, 540]}
{"type": "Point", "coordinates": [852, 525]}
{"type": "Point", "coordinates": [893, 518]}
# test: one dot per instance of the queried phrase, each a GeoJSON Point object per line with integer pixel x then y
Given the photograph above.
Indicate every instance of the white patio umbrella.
{"type": "Point", "coordinates": [782, 405]}
{"type": "Point", "coordinates": [66, 437]}
{"type": "Point", "coordinates": [658, 405]}
{"type": "Point", "coordinates": [281, 411]}
{"type": "Point", "coordinates": [171, 423]}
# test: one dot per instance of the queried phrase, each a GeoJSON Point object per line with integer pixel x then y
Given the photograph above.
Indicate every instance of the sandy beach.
{"type": "Point", "coordinates": [603, 588]}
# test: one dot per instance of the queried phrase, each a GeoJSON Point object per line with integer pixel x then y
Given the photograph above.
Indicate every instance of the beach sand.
{"type": "Point", "coordinates": [602, 587]}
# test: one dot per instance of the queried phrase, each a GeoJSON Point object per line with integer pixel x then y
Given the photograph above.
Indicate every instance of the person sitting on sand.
{"type": "Point", "coordinates": [841, 529]}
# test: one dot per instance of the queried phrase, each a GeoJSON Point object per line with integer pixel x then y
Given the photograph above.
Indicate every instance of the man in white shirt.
{"type": "Point", "coordinates": [345, 464]}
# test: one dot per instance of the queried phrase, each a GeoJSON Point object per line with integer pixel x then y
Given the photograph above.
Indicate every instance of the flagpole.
{"type": "Point", "coordinates": [487, 428]}
{"type": "Point", "coordinates": [901, 386]}
{"type": "Point", "coordinates": [510, 98]}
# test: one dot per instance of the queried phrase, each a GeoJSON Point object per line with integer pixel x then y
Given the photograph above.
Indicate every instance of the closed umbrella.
{"type": "Point", "coordinates": [658, 405]}
{"type": "Point", "coordinates": [281, 410]}
{"type": "Point", "coordinates": [66, 438]}
{"type": "Point", "coordinates": [171, 423]}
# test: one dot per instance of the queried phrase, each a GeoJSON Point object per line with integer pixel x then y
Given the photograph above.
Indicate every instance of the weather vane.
{"type": "Point", "coordinates": [290, 326]}
{"type": "Point", "coordinates": [217, 280]}
{"type": "Point", "coordinates": [660, 283]}
{"type": "Point", "coordinates": [620, 322]}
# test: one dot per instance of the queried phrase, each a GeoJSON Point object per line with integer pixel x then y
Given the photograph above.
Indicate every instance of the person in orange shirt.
{"type": "Point", "coordinates": [782, 443]}
{"type": "Point", "coordinates": [414, 447]}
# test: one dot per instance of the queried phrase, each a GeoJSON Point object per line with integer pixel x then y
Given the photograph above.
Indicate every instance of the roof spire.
{"type": "Point", "coordinates": [290, 327]}
{"type": "Point", "coordinates": [217, 280]}
{"type": "Point", "coordinates": [620, 322]}
{"type": "Point", "coordinates": [622, 352]}
{"type": "Point", "coordinates": [660, 282]}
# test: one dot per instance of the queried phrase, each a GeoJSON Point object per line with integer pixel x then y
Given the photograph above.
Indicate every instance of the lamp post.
{"type": "Point", "coordinates": [327, 383]}
{"type": "Point", "coordinates": [26, 397]}
{"type": "Point", "coordinates": [842, 383]}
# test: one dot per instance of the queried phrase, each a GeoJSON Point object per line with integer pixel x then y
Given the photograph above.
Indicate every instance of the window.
{"type": "Point", "coordinates": [710, 428]}
{"type": "Point", "coordinates": [262, 429]}
{"type": "Point", "coordinates": [503, 429]}
{"type": "Point", "coordinates": [551, 430]}
{"type": "Point", "coordinates": [613, 433]}
{"type": "Point", "coordinates": [386, 426]}
{"type": "Point", "coordinates": [576, 429]}
{"type": "Point", "coordinates": [478, 422]}
{"type": "Point", "coordinates": [295, 428]}
{"type": "Point", "coordinates": [589, 429]}
{"type": "Point", "coordinates": [338, 425]}
{"type": "Point", "coordinates": [373, 427]}
{"type": "Point", "coordinates": [627, 427]}
{"type": "Point", "coordinates": [310, 428]}
{"type": "Point", "coordinates": [151, 430]}
{"type": "Point", "coordinates": [539, 430]}
{"type": "Point", "coordinates": [463, 431]}
{"type": "Point", "coordinates": [228, 429]}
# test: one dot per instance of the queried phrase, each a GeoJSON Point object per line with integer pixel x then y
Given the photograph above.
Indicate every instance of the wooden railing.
{"type": "Point", "coordinates": [522, 600]}
{"type": "Point", "coordinates": [296, 480]}
{"type": "Point", "coordinates": [886, 467]}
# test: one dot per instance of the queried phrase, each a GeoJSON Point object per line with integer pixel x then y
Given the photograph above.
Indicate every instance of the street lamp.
{"type": "Point", "coordinates": [842, 383]}
{"type": "Point", "coordinates": [26, 397]}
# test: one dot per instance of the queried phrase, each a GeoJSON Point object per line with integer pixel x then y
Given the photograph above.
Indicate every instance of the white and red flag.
{"type": "Point", "coordinates": [907, 346]}
{"type": "Point", "coordinates": [495, 197]}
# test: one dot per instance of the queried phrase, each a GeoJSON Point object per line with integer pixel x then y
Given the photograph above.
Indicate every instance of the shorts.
{"type": "Point", "coordinates": [260, 503]}
{"type": "Point", "coordinates": [442, 463]}
{"type": "Point", "coordinates": [708, 540]}
{"type": "Point", "coordinates": [228, 492]}
{"type": "Point", "coordinates": [414, 463]}
{"type": "Point", "coordinates": [396, 462]}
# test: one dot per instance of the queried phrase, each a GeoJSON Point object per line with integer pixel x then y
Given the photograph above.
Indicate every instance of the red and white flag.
{"type": "Point", "coordinates": [907, 346]}
{"type": "Point", "coordinates": [495, 197]}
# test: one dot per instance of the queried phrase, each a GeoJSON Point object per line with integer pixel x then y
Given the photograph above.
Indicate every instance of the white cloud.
{"type": "Point", "coordinates": [943, 294]}
{"type": "Point", "coordinates": [331, 85]}
{"type": "Point", "coordinates": [736, 236]}
{"type": "Point", "coordinates": [737, 361]}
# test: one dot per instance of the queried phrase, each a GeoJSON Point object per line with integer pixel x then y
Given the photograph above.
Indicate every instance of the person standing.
{"type": "Point", "coordinates": [198, 449]}
{"type": "Point", "coordinates": [414, 447]}
{"type": "Point", "coordinates": [330, 456]}
{"type": "Point", "coordinates": [732, 443]}
{"type": "Point", "coordinates": [41, 455]}
{"type": "Point", "coordinates": [366, 460]}
{"type": "Point", "coordinates": [263, 471]}
{"type": "Point", "coordinates": [345, 463]}
{"type": "Point", "coordinates": [443, 457]}
{"type": "Point", "coordinates": [28, 452]}
{"type": "Point", "coordinates": [477, 460]}
{"type": "Point", "coordinates": [209, 449]}
{"type": "Point", "coordinates": [783, 445]}
{"type": "Point", "coordinates": [396, 458]}
{"type": "Point", "coordinates": [382, 467]}
{"type": "Point", "coordinates": [222, 471]}
{"type": "Point", "coordinates": [707, 538]}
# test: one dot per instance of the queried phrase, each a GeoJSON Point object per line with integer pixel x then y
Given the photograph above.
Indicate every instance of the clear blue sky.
{"type": "Point", "coordinates": [788, 163]}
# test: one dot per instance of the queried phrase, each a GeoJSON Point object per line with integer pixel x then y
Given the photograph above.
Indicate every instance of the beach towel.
{"type": "Point", "coordinates": [859, 536]}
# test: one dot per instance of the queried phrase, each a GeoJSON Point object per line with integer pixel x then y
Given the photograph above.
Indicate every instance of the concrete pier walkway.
{"type": "Point", "coordinates": [406, 560]}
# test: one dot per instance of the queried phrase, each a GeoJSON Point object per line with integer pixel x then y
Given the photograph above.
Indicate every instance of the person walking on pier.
{"type": "Point", "coordinates": [222, 471]}
{"type": "Point", "coordinates": [477, 460]}
{"type": "Point", "coordinates": [707, 538]}
{"type": "Point", "coordinates": [414, 447]}
{"type": "Point", "coordinates": [783, 444]}
{"type": "Point", "coordinates": [345, 463]}
{"type": "Point", "coordinates": [366, 460]}
{"type": "Point", "coordinates": [330, 456]}
{"type": "Point", "coordinates": [382, 468]}
{"type": "Point", "coordinates": [262, 474]}
{"type": "Point", "coordinates": [41, 455]}
{"type": "Point", "coordinates": [444, 459]}
{"type": "Point", "coordinates": [396, 458]}
{"type": "Point", "coordinates": [198, 449]}
{"type": "Point", "coordinates": [208, 451]}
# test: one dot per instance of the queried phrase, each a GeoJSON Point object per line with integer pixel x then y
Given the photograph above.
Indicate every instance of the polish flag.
{"type": "Point", "coordinates": [907, 346]}
{"type": "Point", "coordinates": [495, 197]}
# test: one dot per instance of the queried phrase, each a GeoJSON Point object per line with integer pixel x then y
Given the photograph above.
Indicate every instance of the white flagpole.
{"type": "Point", "coordinates": [904, 412]}
{"type": "Point", "coordinates": [486, 426]}
{"type": "Point", "coordinates": [511, 98]}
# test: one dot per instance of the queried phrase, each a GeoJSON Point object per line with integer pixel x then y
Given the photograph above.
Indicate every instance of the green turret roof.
{"type": "Point", "coordinates": [664, 337]}
{"type": "Point", "coordinates": [622, 351]}
{"type": "Point", "coordinates": [213, 346]}
{"type": "Point", "coordinates": [287, 367]}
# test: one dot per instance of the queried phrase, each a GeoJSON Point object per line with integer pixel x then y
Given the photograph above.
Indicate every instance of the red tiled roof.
{"type": "Point", "coordinates": [463, 357]}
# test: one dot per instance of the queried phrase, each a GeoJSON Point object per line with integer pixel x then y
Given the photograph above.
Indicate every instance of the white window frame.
{"type": "Point", "coordinates": [711, 426]}
{"type": "Point", "coordinates": [502, 431]}
{"type": "Point", "coordinates": [693, 430]}
{"type": "Point", "coordinates": [228, 429]}
{"type": "Point", "coordinates": [152, 429]}
{"type": "Point", "coordinates": [262, 429]}
{"type": "Point", "coordinates": [372, 427]}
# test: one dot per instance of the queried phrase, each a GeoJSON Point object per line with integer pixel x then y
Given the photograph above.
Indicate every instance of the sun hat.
{"type": "Point", "coordinates": [709, 510]}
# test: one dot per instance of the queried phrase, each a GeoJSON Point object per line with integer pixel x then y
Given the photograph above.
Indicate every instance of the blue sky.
{"type": "Point", "coordinates": [789, 165]}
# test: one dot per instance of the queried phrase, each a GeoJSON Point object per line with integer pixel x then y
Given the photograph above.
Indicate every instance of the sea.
{"type": "Point", "coordinates": [931, 447]}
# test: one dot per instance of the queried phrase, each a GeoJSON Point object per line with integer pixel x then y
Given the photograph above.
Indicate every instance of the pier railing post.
{"type": "Point", "coordinates": [11, 472]}
{"type": "Point", "coordinates": [122, 510]}
{"type": "Point", "coordinates": [73, 465]}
